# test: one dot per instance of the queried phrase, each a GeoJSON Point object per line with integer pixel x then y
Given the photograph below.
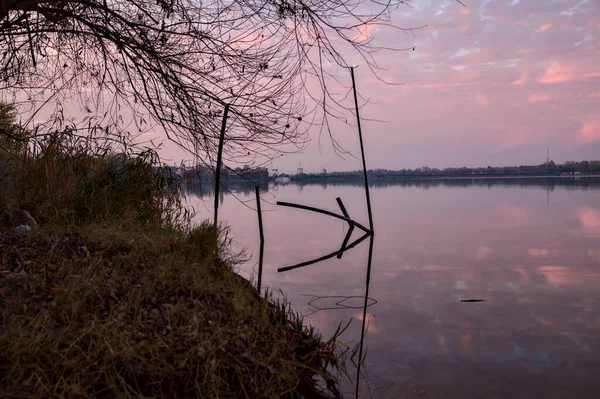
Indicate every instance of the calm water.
{"type": "Point", "coordinates": [529, 248]}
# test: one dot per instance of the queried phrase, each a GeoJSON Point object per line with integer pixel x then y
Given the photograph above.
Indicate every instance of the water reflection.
{"type": "Point", "coordinates": [536, 265]}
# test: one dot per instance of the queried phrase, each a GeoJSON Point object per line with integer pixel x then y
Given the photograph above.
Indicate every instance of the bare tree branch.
{"type": "Point", "coordinates": [174, 64]}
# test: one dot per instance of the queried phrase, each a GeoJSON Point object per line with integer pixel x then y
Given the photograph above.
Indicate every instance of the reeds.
{"type": "Point", "coordinates": [75, 181]}
{"type": "Point", "coordinates": [115, 295]}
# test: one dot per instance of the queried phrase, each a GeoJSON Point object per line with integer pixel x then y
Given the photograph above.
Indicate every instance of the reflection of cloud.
{"type": "Point", "coordinates": [558, 275]}
{"type": "Point", "coordinates": [540, 252]}
{"type": "Point", "coordinates": [594, 253]}
{"type": "Point", "coordinates": [461, 285]}
{"type": "Point", "coordinates": [483, 253]}
{"type": "Point", "coordinates": [522, 272]}
{"type": "Point", "coordinates": [426, 268]}
{"type": "Point", "coordinates": [525, 300]}
{"type": "Point", "coordinates": [590, 219]}
{"type": "Point", "coordinates": [371, 327]}
{"type": "Point", "coordinates": [515, 215]}
{"type": "Point", "coordinates": [466, 342]}
{"type": "Point", "coordinates": [442, 343]}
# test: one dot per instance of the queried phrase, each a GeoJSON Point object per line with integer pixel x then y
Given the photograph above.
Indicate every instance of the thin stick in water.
{"type": "Point", "coordinates": [219, 161]}
{"type": "Point", "coordinates": [262, 238]}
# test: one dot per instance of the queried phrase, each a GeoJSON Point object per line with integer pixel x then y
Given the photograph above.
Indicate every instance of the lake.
{"type": "Point", "coordinates": [528, 248]}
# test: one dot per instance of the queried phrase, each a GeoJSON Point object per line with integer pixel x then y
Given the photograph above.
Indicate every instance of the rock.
{"type": "Point", "coordinates": [30, 219]}
{"type": "Point", "coordinates": [22, 229]}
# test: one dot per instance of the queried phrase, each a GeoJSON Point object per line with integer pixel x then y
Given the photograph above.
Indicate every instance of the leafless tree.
{"type": "Point", "coordinates": [174, 64]}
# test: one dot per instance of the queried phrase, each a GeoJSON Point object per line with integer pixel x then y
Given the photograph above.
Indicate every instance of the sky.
{"type": "Point", "coordinates": [494, 83]}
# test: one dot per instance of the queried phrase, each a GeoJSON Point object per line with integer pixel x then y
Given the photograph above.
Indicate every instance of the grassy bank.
{"type": "Point", "coordinates": [115, 295]}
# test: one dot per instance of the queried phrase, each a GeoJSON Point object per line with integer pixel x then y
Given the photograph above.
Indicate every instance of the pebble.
{"type": "Point", "coordinates": [22, 229]}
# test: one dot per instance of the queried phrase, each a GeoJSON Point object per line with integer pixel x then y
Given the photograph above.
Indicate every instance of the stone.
{"type": "Point", "coordinates": [22, 229]}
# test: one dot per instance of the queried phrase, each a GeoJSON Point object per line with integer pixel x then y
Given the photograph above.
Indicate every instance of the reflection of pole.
{"type": "Point", "coordinates": [219, 160]}
{"type": "Point", "coordinates": [364, 320]}
{"type": "Point", "coordinates": [367, 193]}
{"type": "Point", "coordinates": [262, 238]}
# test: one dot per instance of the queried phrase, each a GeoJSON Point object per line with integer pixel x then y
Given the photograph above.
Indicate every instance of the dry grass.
{"type": "Point", "coordinates": [114, 295]}
{"type": "Point", "coordinates": [96, 311]}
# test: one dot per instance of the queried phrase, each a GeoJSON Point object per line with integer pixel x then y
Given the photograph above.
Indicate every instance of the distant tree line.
{"type": "Point", "coordinates": [549, 168]}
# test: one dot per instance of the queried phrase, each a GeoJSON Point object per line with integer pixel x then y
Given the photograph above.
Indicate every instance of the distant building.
{"type": "Point", "coordinates": [323, 171]}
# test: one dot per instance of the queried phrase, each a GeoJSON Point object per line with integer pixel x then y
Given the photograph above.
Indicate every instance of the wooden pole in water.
{"type": "Point", "coordinates": [368, 279]}
{"type": "Point", "coordinates": [362, 152]}
{"type": "Point", "coordinates": [262, 238]}
{"type": "Point", "coordinates": [219, 161]}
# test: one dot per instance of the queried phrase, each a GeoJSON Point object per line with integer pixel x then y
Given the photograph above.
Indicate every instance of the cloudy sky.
{"type": "Point", "coordinates": [493, 83]}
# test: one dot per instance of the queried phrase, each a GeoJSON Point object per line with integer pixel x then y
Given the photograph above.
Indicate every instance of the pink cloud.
{"type": "Point", "coordinates": [512, 57]}
{"type": "Point", "coordinates": [483, 55]}
{"type": "Point", "coordinates": [545, 27]}
{"type": "Point", "coordinates": [526, 51]}
{"type": "Point", "coordinates": [442, 85]}
{"type": "Point", "coordinates": [514, 141]}
{"type": "Point", "coordinates": [365, 32]}
{"type": "Point", "coordinates": [483, 253]}
{"type": "Point", "coordinates": [522, 80]}
{"type": "Point", "coordinates": [592, 23]}
{"type": "Point", "coordinates": [590, 131]}
{"type": "Point", "coordinates": [463, 78]}
{"type": "Point", "coordinates": [558, 73]}
{"type": "Point", "coordinates": [541, 97]}
{"type": "Point", "coordinates": [483, 100]}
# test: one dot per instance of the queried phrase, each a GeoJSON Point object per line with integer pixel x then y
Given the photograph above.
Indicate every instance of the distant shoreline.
{"type": "Point", "coordinates": [493, 177]}
{"type": "Point", "coordinates": [308, 179]}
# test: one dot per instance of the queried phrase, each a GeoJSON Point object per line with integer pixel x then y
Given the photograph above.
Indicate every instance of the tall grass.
{"type": "Point", "coordinates": [72, 180]}
{"type": "Point", "coordinates": [116, 295]}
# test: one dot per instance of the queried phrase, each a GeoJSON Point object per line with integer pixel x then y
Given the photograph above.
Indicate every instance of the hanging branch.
{"type": "Point", "coordinates": [172, 65]}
